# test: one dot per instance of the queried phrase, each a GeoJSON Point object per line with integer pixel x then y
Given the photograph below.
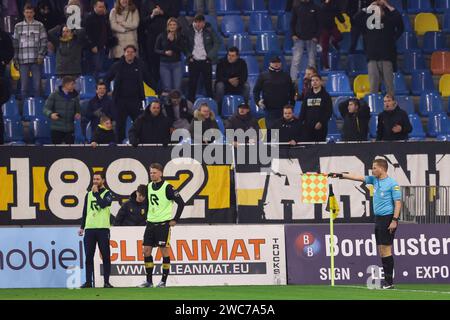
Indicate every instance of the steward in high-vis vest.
{"type": "Point", "coordinates": [160, 197]}
{"type": "Point", "coordinates": [95, 226]}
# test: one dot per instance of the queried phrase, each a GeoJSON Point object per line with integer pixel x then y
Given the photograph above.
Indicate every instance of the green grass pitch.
{"type": "Point", "coordinates": [291, 292]}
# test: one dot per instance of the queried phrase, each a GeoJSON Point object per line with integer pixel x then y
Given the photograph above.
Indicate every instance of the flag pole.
{"type": "Point", "coordinates": [332, 248]}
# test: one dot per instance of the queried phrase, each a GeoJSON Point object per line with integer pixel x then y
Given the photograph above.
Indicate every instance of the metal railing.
{"type": "Point", "coordinates": [426, 204]}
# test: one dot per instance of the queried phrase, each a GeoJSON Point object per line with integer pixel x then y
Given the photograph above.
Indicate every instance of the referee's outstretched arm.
{"type": "Point", "coordinates": [348, 176]}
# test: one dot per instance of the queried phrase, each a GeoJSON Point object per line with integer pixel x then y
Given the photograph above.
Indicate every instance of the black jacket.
{"type": "Point", "coordinates": [387, 120]}
{"type": "Point", "coordinates": [236, 121]}
{"type": "Point", "coordinates": [150, 129]}
{"type": "Point", "coordinates": [288, 129]}
{"type": "Point", "coordinates": [98, 31]}
{"type": "Point", "coordinates": [316, 107]}
{"type": "Point", "coordinates": [352, 7]}
{"type": "Point", "coordinates": [380, 44]}
{"type": "Point", "coordinates": [103, 136]}
{"type": "Point", "coordinates": [277, 89]}
{"type": "Point", "coordinates": [163, 44]}
{"type": "Point", "coordinates": [305, 21]}
{"type": "Point", "coordinates": [356, 125]}
{"type": "Point", "coordinates": [211, 41]}
{"type": "Point", "coordinates": [329, 11]}
{"type": "Point", "coordinates": [226, 71]}
{"type": "Point", "coordinates": [185, 112]}
{"type": "Point", "coordinates": [98, 107]}
{"type": "Point", "coordinates": [6, 52]}
{"type": "Point", "coordinates": [132, 213]}
{"type": "Point", "coordinates": [129, 78]}
{"type": "Point", "coordinates": [50, 19]}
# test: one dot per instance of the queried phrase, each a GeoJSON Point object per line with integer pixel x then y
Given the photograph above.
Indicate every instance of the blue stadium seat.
{"type": "Point", "coordinates": [446, 23]}
{"type": "Point", "coordinates": [413, 60]}
{"type": "Point", "coordinates": [110, 4]}
{"type": "Point", "coordinates": [284, 22]}
{"type": "Point", "coordinates": [213, 22]}
{"type": "Point", "coordinates": [13, 131]}
{"type": "Point", "coordinates": [422, 81]}
{"type": "Point", "coordinates": [443, 137]}
{"type": "Point", "coordinates": [334, 61]}
{"type": "Point", "coordinates": [211, 103]}
{"type": "Point", "coordinates": [40, 130]}
{"type": "Point", "coordinates": [251, 80]}
{"type": "Point", "coordinates": [399, 85]}
{"type": "Point", "coordinates": [373, 123]}
{"type": "Point", "coordinates": [227, 7]}
{"type": "Point", "coordinates": [407, 42]}
{"type": "Point", "coordinates": [406, 103]}
{"type": "Point", "coordinates": [375, 102]}
{"type": "Point", "coordinates": [277, 6]}
{"type": "Point", "coordinates": [397, 4]}
{"type": "Point", "coordinates": [230, 104]}
{"type": "Point", "coordinates": [48, 66]}
{"type": "Point", "coordinates": [89, 132]}
{"type": "Point", "coordinates": [438, 124]}
{"type": "Point", "coordinates": [288, 43]}
{"type": "Point", "coordinates": [149, 100]}
{"type": "Point", "coordinates": [252, 65]}
{"type": "Point", "coordinates": [417, 132]}
{"type": "Point", "coordinates": [232, 24]}
{"type": "Point", "coordinates": [417, 6]}
{"type": "Point", "coordinates": [333, 132]}
{"type": "Point", "coordinates": [33, 108]}
{"type": "Point", "coordinates": [434, 41]}
{"type": "Point", "coordinates": [221, 126]}
{"type": "Point", "coordinates": [345, 43]}
{"type": "Point", "coordinates": [256, 111]}
{"type": "Point", "coordinates": [336, 103]}
{"type": "Point", "coordinates": [79, 136]}
{"type": "Point", "coordinates": [127, 128]}
{"type": "Point", "coordinates": [267, 42]}
{"type": "Point", "coordinates": [86, 86]}
{"type": "Point", "coordinates": [243, 42]}
{"type": "Point", "coordinates": [250, 6]}
{"type": "Point", "coordinates": [222, 47]}
{"type": "Point", "coordinates": [51, 85]}
{"type": "Point", "coordinates": [338, 84]}
{"type": "Point", "coordinates": [260, 23]}
{"type": "Point", "coordinates": [356, 64]}
{"type": "Point", "coordinates": [430, 102]}
{"type": "Point", "coordinates": [297, 108]}
{"type": "Point", "coordinates": [440, 6]}
{"type": "Point", "coordinates": [10, 109]}
{"type": "Point", "coordinates": [407, 23]}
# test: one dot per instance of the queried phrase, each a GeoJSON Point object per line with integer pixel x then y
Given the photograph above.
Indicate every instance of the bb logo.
{"type": "Point", "coordinates": [307, 245]}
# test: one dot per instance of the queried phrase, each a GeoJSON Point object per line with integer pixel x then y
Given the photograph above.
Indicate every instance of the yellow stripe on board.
{"type": "Point", "coordinates": [127, 177]}
{"type": "Point", "coordinates": [249, 197]}
{"type": "Point", "coordinates": [69, 201]}
{"type": "Point", "coordinates": [217, 188]}
{"type": "Point", "coordinates": [6, 189]}
{"type": "Point", "coordinates": [177, 183]}
{"type": "Point", "coordinates": [40, 188]}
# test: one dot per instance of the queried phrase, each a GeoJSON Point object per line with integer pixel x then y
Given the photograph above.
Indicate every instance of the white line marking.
{"type": "Point", "coordinates": [399, 290]}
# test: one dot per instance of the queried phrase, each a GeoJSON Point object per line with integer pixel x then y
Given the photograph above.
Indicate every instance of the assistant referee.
{"type": "Point", "coordinates": [160, 198]}
{"type": "Point", "coordinates": [386, 207]}
{"type": "Point", "coordinates": [95, 226]}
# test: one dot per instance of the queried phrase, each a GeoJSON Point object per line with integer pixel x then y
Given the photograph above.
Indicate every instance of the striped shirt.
{"type": "Point", "coordinates": [30, 41]}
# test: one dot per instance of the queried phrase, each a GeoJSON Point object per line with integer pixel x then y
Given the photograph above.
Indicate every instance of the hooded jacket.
{"type": "Point", "coordinates": [316, 107]}
{"type": "Point", "coordinates": [66, 106]}
{"type": "Point", "coordinates": [356, 125]}
{"type": "Point", "coordinates": [150, 129]}
{"type": "Point", "coordinates": [207, 124]}
{"type": "Point", "coordinates": [276, 87]}
{"type": "Point", "coordinates": [305, 20]}
{"type": "Point", "coordinates": [132, 213]}
{"type": "Point", "coordinates": [387, 120]}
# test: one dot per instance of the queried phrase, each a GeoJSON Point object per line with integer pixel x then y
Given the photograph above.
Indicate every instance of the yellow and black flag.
{"type": "Point", "coordinates": [332, 204]}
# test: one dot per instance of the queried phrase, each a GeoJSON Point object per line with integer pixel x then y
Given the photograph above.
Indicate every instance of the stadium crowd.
{"type": "Point", "coordinates": [129, 47]}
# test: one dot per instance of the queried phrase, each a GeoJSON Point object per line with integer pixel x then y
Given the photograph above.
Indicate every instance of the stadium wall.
{"type": "Point", "coordinates": [47, 185]}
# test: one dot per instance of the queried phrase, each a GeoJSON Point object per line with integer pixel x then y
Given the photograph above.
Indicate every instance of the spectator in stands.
{"type": "Point", "coordinates": [231, 77]}
{"type": "Point", "coordinates": [154, 17]}
{"type": "Point", "coordinates": [170, 44]}
{"type": "Point", "coordinates": [205, 6]}
{"type": "Point", "coordinates": [68, 46]}
{"type": "Point", "coordinates": [46, 15]}
{"type": "Point", "coordinates": [305, 33]}
{"type": "Point", "coordinates": [9, 8]}
{"type": "Point", "coordinates": [100, 105]}
{"type": "Point", "coordinates": [103, 133]}
{"type": "Point", "coordinates": [30, 47]}
{"type": "Point", "coordinates": [150, 127]}
{"type": "Point", "coordinates": [329, 11]}
{"type": "Point", "coordinates": [206, 118]}
{"type": "Point", "coordinates": [289, 127]}
{"type": "Point", "coordinates": [353, 7]}
{"type": "Point", "coordinates": [4, 97]}
{"type": "Point", "coordinates": [178, 110]}
{"type": "Point", "coordinates": [309, 72]}
{"type": "Point", "coordinates": [243, 119]}
{"type": "Point", "coordinates": [277, 90]}
{"type": "Point", "coordinates": [356, 115]}
{"type": "Point", "coordinates": [124, 20]}
{"type": "Point", "coordinates": [7, 51]}
{"type": "Point", "coordinates": [382, 25]}
{"type": "Point", "coordinates": [134, 211]}
{"type": "Point", "coordinates": [129, 74]}
{"type": "Point", "coordinates": [99, 36]}
{"type": "Point", "coordinates": [393, 122]}
{"type": "Point", "coordinates": [63, 107]}
{"type": "Point", "coordinates": [203, 46]}
{"type": "Point", "coordinates": [316, 111]}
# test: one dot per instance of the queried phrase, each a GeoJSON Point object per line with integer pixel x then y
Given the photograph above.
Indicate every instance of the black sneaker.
{"type": "Point", "coordinates": [86, 285]}
{"type": "Point", "coordinates": [387, 286]}
{"type": "Point", "coordinates": [108, 285]}
{"type": "Point", "coordinates": [146, 284]}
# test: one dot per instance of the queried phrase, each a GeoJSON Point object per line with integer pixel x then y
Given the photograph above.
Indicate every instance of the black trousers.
{"type": "Point", "coordinates": [127, 107]}
{"type": "Point", "coordinates": [92, 237]}
{"type": "Point", "coordinates": [59, 137]}
{"type": "Point", "coordinates": [199, 68]}
{"type": "Point", "coordinates": [355, 33]}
